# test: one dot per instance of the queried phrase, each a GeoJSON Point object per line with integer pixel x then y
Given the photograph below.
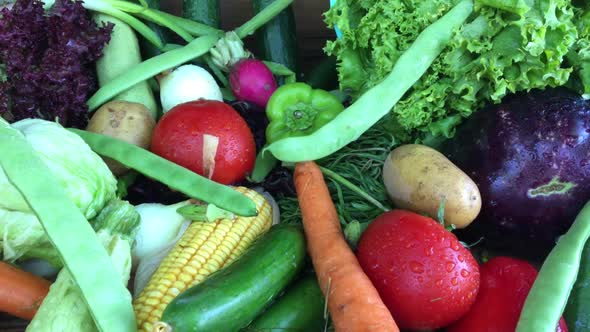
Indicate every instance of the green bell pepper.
{"type": "Point", "coordinates": [296, 109]}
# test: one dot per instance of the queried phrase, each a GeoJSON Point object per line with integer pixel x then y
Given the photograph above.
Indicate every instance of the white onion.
{"type": "Point", "coordinates": [187, 83]}
{"type": "Point", "coordinates": [159, 226]}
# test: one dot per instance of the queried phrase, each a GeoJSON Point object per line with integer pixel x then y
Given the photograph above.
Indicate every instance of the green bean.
{"type": "Point", "coordinates": [150, 68]}
{"type": "Point", "coordinates": [262, 18]}
{"type": "Point", "coordinates": [108, 300]}
{"type": "Point", "coordinates": [351, 123]}
{"type": "Point", "coordinates": [121, 53]}
{"type": "Point", "coordinates": [150, 15]}
{"type": "Point", "coordinates": [576, 314]}
{"type": "Point", "coordinates": [548, 297]}
{"type": "Point", "coordinates": [137, 25]}
{"type": "Point", "coordinates": [169, 173]}
{"type": "Point", "coordinates": [194, 28]}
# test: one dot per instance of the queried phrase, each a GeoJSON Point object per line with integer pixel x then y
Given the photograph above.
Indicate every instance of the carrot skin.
{"type": "Point", "coordinates": [353, 302]}
{"type": "Point", "coordinates": [21, 293]}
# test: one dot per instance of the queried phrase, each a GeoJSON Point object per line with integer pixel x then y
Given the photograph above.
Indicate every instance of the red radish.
{"type": "Point", "coordinates": [252, 81]}
{"type": "Point", "coordinates": [504, 286]}
{"type": "Point", "coordinates": [208, 137]}
{"type": "Point", "coordinates": [424, 275]}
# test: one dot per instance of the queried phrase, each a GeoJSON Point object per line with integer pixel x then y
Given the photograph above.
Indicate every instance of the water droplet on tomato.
{"type": "Point", "coordinates": [410, 245]}
{"type": "Point", "coordinates": [439, 282]}
{"type": "Point", "coordinates": [455, 246]}
{"type": "Point", "coordinates": [429, 251]}
{"type": "Point", "coordinates": [416, 267]}
{"type": "Point", "coordinates": [454, 281]}
{"type": "Point", "coordinates": [450, 266]}
{"type": "Point", "coordinates": [465, 273]}
{"type": "Point", "coordinates": [420, 279]}
{"type": "Point", "coordinates": [460, 258]}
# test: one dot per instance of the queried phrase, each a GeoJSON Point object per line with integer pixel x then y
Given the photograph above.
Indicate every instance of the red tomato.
{"type": "Point", "coordinates": [505, 284]}
{"type": "Point", "coordinates": [424, 275]}
{"type": "Point", "coordinates": [208, 137]}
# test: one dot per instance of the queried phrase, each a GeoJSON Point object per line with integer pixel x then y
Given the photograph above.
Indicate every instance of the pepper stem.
{"type": "Point", "coordinates": [300, 116]}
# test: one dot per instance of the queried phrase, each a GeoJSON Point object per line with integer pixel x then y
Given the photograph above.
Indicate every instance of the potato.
{"type": "Point", "coordinates": [127, 121]}
{"type": "Point", "coordinates": [418, 177]}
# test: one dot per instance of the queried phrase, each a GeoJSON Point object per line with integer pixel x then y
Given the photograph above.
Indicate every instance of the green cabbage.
{"type": "Point", "coordinates": [64, 308]}
{"type": "Point", "coordinates": [82, 173]}
{"type": "Point", "coordinates": [506, 46]}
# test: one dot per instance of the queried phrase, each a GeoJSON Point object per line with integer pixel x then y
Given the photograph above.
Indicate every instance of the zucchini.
{"type": "Point", "coordinates": [576, 314]}
{"type": "Point", "coordinates": [149, 50]}
{"type": "Point", "coordinates": [277, 40]}
{"type": "Point", "coordinates": [232, 297]}
{"type": "Point", "coordinates": [121, 53]}
{"type": "Point", "coordinates": [300, 309]}
{"type": "Point", "coordinates": [202, 11]}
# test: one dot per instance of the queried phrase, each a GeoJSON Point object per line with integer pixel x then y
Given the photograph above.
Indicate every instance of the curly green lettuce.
{"type": "Point", "coordinates": [505, 47]}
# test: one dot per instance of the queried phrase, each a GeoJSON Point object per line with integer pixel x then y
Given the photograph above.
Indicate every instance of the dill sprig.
{"type": "Point", "coordinates": [361, 164]}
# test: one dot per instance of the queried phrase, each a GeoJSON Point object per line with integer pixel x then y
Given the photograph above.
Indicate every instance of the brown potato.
{"type": "Point", "coordinates": [417, 178]}
{"type": "Point", "coordinates": [127, 121]}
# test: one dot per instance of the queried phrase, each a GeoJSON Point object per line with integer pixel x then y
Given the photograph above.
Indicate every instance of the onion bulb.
{"type": "Point", "coordinates": [187, 83]}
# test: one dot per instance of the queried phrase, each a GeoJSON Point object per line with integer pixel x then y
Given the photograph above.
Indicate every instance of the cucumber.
{"type": "Point", "coordinates": [149, 50]}
{"type": "Point", "coordinates": [231, 298]}
{"type": "Point", "coordinates": [202, 11]}
{"type": "Point", "coordinates": [300, 309]}
{"type": "Point", "coordinates": [277, 40]}
{"type": "Point", "coordinates": [576, 314]}
{"type": "Point", "coordinates": [121, 53]}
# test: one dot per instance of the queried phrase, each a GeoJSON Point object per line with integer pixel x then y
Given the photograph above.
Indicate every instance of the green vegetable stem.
{"type": "Point", "coordinates": [176, 55]}
{"type": "Point", "coordinates": [375, 103]}
{"type": "Point", "coordinates": [83, 255]}
{"type": "Point", "coordinates": [169, 173]}
{"type": "Point", "coordinates": [576, 312]}
{"type": "Point", "coordinates": [547, 298]}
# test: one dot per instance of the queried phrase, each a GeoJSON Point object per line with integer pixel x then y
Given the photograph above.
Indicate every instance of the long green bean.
{"type": "Point", "coordinates": [151, 15]}
{"type": "Point", "coordinates": [351, 123]}
{"type": "Point", "coordinates": [194, 28]}
{"type": "Point", "coordinates": [262, 18]}
{"type": "Point", "coordinates": [108, 300]}
{"type": "Point", "coordinates": [103, 7]}
{"type": "Point", "coordinates": [169, 173]}
{"type": "Point", "coordinates": [150, 68]}
{"type": "Point", "coordinates": [548, 297]}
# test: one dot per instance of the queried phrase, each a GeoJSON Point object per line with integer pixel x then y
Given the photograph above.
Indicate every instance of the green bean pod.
{"type": "Point", "coordinates": [121, 53]}
{"type": "Point", "coordinates": [351, 123]}
{"type": "Point", "coordinates": [547, 298]}
{"type": "Point", "coordinates": [150, 68]}
{"type": "Point", "coordinates": [577, 313]}
{"type": "Point", "coordinates": [169, 173]}
{"type": "Point", "coordinates": [83, 255]}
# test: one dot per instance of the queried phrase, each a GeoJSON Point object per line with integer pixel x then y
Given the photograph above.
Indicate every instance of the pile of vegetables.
{"type": "Point", "coordinates": [168, 179]}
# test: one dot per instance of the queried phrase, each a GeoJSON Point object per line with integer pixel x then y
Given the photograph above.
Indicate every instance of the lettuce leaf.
{"type": "Point", "coordinates": [506, 46]}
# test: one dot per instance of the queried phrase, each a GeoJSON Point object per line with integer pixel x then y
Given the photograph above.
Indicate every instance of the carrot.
{"type": "Point", "coordinates": [21, 293]}
{"type": "Point", "coordinates": [353, 302]}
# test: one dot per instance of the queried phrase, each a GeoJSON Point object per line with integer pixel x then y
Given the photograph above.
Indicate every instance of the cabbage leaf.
{"type": "Point", "coordinates": [83, 174]}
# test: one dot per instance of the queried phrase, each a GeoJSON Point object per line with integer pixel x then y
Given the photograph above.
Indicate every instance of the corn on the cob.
{"type": "Point", "coordinates": [204, 248]}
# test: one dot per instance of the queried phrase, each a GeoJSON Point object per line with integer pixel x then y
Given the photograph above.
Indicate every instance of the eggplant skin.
{"type": "Point", "coordinates": [530, 158]}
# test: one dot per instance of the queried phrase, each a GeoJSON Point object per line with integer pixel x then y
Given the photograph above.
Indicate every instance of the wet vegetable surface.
{"type": "Point", "coordinates": [530, 157]}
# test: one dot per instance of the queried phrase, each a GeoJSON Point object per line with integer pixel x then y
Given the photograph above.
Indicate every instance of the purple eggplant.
{"type": "Point", "coordinates": [530, 157]}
